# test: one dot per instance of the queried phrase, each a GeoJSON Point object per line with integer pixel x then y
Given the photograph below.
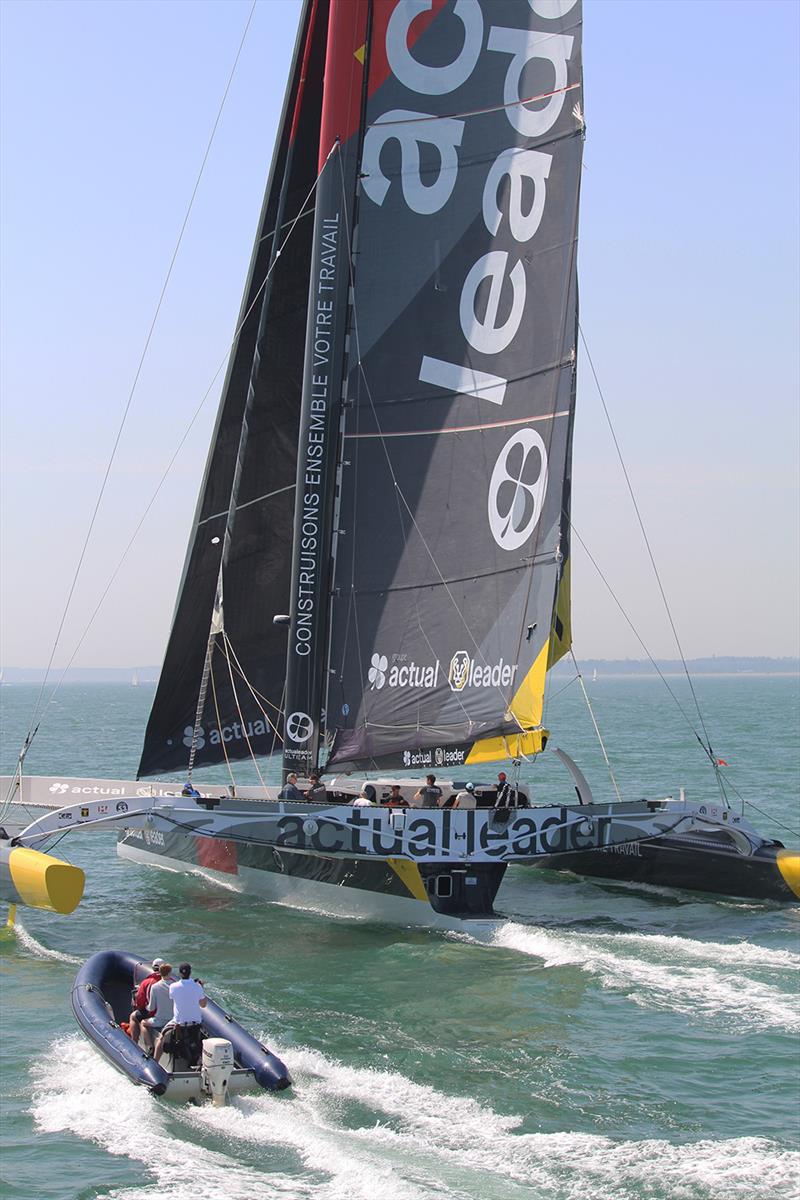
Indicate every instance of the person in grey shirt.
{"type": "Point", "coordinates": [159, 1007]}
{"type": "Point", "coordinates": [430, 795]}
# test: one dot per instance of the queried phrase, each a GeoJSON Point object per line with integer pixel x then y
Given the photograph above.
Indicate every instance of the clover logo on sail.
{"type": "Point", "coordinates": [188, 734]}
{"type": "Point", "coordinates": [299, 727]}
{"type": "Point", "coordinates": [458, 674]}
{"type": "Point", "coordinates": [517, 488]}
{"type": "Point", "coordinates": [377, 671]}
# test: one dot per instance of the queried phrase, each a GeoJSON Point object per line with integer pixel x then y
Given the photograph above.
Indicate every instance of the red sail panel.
{"type": "Point", "coordinates": [344, 73]}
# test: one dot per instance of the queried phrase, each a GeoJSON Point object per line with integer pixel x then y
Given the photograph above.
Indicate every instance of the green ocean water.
{"type": "Point", "coordinates": [610, 1041]}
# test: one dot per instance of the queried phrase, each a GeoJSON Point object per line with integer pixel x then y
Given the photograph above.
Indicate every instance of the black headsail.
{"type": "Point", "coordinates": [234, 723]}
{"type": "Point", "coordinates": [450, 590]}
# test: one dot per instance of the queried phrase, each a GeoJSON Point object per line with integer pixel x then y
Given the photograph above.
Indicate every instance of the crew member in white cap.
{"type": "Point", "coordinates": [142, 999]}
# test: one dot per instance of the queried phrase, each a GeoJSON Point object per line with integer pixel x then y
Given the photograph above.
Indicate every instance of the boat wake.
{"type": "Point", "coordinates": [354, 1133]}
{"type": "Point", "coordinates": [30, 943]}
{"type": "Point", "coordinates": [693, 978]}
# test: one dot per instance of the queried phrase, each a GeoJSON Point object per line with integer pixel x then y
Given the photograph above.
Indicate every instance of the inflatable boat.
{"type": "Point", "coordinates": [222, 1060]}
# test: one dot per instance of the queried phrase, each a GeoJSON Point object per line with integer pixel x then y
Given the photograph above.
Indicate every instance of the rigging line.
{"type": "Point", "coordinates": [398, 490]}
{"type": "Point", "coordinates": [647, 544]}
{"type": "Point", "coordinates": [251, 689]}
{"type": "Point", "coordinates": [142, 357]}
{"type": "Point", "coordinates": [769, 816]}
{"type": "Point", "coordinates": [219, 727]}
{"type": "Point", "coordinates": [596, 726]}
{"type": "Point", "coordinates": [636, 634]}
{"type": "Point", "coordinates": [272, 232]}
{"type": "Point", "coordinates": [281, 712]}
{"type": "Point", "coordinates": [171, 463]}
{"type": "Point", "coordinates": [241, 717]}
{"type": "Point", "coordinates": [554, 695]}
{"type": "Point", "coordinates": [256, 500]}
{"type": "Point", "coordinates": [475, 112]}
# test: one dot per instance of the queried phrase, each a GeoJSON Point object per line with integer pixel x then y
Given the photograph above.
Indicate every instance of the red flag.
{"type": "Point", "coordinates": [721, 762]}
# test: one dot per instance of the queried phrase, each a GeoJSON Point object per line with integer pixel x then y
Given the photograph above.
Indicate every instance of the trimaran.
{"type": "Point", "coordinates": [388, 490]}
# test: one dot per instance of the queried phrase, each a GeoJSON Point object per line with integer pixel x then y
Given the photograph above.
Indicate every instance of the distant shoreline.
{"type": "Point", "coordinates": [722, 667]}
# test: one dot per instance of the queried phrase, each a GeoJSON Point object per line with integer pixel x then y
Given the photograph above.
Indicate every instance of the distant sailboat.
{"type": "Point", "coordinates": [135, 679]}
{"type": "Point", "coordinates": [594, 675]}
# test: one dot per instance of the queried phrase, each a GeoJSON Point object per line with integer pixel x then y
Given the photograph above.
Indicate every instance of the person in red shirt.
{"type": "Point", "coordinates": [141, 1001]}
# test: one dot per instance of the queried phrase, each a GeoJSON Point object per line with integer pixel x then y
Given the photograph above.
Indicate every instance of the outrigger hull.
{"type": "Point", "coordinates": [695, 862]}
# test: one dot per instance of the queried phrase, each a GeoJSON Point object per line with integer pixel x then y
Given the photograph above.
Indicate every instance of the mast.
{"type": "Point", "coordinates": [346, 71]}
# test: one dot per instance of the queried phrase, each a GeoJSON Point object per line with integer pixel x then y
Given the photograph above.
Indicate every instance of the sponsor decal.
{"type": "Point", "coordinates": [228, 733]}
{"type": "Point", "coordinates": [377, 670]}
{"type": "Point", "coordinates": [464, 672]}
{"type": "Point", "coordinates": [188, 735]}
{"type": "Point", "coordinates": [634, 849]}
{"type": "Point", "coordinates": [101, 809]}
{"type": "Point", "coordinates": [84, 812]}
{"type": "Point", "coordinates": [458, 674]}
{"type": "Point", "coordinates": [439, 756]}
{"type": "Point", "coordinates": [493, 304]}
{"type": "Point", "coordinates": [517, 489]}
{"type": "Point", "coordinates": [312, 452]}
{"type": "Point", "coordinates": [66, 815]}
{"type": "Point", "coordinates": [121, 806]}
{"type": "Point", "coordinates": [440, 835]}
{"type": "Point", "coordinates": [58, 789]}
{"type": "Point", "coordinates": [299, 727]}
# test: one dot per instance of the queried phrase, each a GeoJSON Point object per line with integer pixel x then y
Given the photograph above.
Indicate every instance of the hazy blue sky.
{"type": "Point", "coordinates": [689, 293]}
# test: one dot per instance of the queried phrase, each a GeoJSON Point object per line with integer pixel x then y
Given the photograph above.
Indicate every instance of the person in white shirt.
{"type": "Point", "coordinates": [466, 797]}
{"type": "Point", "coordinates": [188, 997]}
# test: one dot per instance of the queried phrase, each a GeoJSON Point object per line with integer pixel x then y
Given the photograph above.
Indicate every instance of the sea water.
{"type": "Point", "coordinates": [609, 1040]}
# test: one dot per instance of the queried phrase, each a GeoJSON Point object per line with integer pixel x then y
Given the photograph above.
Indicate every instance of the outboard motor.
{"type": "Point", "coordinates": [217, 1066]}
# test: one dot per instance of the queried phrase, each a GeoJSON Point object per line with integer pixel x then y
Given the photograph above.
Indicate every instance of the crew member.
{"type": "Point", "coordinates": [141, 1001]}
{"type": "Point", "coordinates": [466, 797]}
{"type": "Point", "coordinates": [429, 795]}
{"type": "Point", "coordinates": [290, 790]}
{"type": "Point", "coordinates": [187, 997]}
{"type": "Point", "coordinates": [316, 790]}
{"type": "Point", "coordinates": [505, 793]}
{"type": "Point", "coordinates": [160, 1010]}
{"type": "Point", "coordinates": [396, 799]}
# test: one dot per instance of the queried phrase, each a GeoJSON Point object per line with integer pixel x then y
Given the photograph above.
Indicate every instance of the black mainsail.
{"type": "Point", "coordinates": [236, 721]}
{"type": "Point", "coordinates": [452, 525]}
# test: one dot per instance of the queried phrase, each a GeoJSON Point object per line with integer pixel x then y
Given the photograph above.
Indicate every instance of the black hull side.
{"type": "Point", "coordinates": [450, 891]}
{"type": "Point", "coordinates": [685, 862]}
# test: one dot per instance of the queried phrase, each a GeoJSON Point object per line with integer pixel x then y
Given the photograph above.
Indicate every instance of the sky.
{"type": "Point", "coordinates": [689, 306]}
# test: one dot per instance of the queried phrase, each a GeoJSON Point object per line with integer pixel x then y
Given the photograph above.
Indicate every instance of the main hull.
{"type": "Point", "coordinates": [348, 888]}
{"type": "Point", "coordinates": [694, 862]}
